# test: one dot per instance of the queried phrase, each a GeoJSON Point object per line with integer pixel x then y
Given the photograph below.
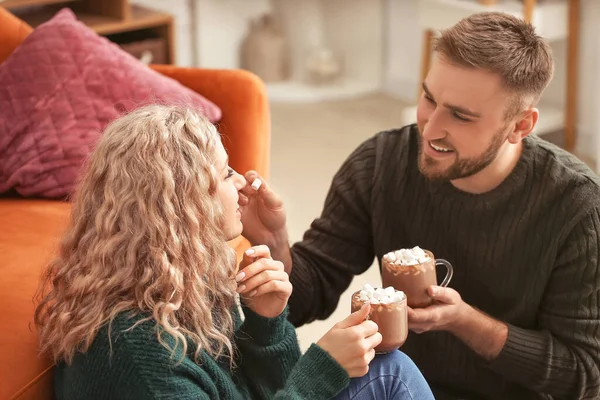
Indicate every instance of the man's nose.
{"type": "Point", "coordinates": [433, 128]}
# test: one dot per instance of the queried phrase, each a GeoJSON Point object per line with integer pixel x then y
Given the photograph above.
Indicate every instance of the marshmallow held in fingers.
{"type": "Point", "coordinates": [256, 184]}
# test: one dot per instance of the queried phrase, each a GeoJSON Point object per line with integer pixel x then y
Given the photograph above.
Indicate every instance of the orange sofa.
{"type": "Point", "coordinates": [30, 228]}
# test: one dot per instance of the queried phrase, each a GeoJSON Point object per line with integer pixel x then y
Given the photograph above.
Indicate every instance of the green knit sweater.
{"type": "Point", "coordinates": [268, 366]}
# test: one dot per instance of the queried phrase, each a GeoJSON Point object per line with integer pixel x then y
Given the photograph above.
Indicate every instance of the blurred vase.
{"type": "Point", "coordinates": [264, 50]}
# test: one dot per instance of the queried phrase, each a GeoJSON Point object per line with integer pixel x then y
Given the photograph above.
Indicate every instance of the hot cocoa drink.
{"type": "Point", "coordinates": [388, 311]}
{"type": "Point", "coordinates": [413, 271]}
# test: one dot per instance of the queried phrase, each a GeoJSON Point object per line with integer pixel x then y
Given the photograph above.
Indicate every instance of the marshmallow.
{"type": "Point", "coordinates": [363, 296]}
{"type": "Point", "coordinates": [256, 184]}
{"type": "Point", "coordinates": [380, 295]}
{"type": "Point", "coordinates": [413, 256]}
{"type": "Point", "coordinates": [391, 256]}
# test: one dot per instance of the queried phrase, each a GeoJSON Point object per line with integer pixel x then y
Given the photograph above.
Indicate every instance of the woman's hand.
{"type": "Point", "coordinates": [263, 285]}
{"type": "Point", "coordinates": [351, 342]}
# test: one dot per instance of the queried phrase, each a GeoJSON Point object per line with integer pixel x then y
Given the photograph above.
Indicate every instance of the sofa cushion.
{"type": "Point", "coordinates": [58, 90]}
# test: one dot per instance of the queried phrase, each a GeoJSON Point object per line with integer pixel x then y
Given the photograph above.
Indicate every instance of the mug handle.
{"type": "Point", "coordinates": [449, 273]}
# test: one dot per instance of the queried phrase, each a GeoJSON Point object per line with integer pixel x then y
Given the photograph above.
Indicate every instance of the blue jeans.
{"type": "Point", "coordinates": [391, 376]}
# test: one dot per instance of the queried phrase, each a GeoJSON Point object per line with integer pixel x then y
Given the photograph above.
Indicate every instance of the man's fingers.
{"type": "Point", "coordinates": [418, 315]}
{"type": "Point", "coordinates": [418, 329]}
{"type": "Point", "coordinates": [417, 319]}
{"type": "Point", "coordinates": [251, 177]}
{"type": "Point", "coordinates": [268, 196]}
{"type": "Point", "coordinates": [444, 294]}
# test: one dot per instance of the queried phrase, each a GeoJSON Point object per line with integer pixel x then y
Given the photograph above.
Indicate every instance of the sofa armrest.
{"type": "Point", "coordinates": [242, 98]}
{"type": "Point", "coordinates": [12, 32]}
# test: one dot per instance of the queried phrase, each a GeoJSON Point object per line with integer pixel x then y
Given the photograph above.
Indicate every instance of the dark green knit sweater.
{"type": "Point", "coordinates": [527, 253]}
{"type": "Point", "coordinates": [269, 366]}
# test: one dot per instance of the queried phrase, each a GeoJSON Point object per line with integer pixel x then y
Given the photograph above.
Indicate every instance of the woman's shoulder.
{"type": "Point", "coordinates": [127, 357]}
{"type": "Point", "coordinates": [130, 341]}
{"type": "Point", "coordinates": [124, 339]}
{"type": "Point", "coordinates": [129, 326]}
{"type": "Point", "coordinates": [135, 337]}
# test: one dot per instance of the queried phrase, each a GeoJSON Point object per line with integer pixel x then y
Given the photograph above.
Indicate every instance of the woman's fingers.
{"type": "Point", "coordinates": [261, 251]}
{"type": "Point", "coordinates": [251, 256]}
{"type": "Point", "coordinates": [257, 267]}
{"type": "Point", "coordinates": [368, 328]}
{"type": "Point", "coordinates": [261, 274]}
{"type": "Point", "coordinates": [275, 286]}
{"type": "Point", "coordinates": [373, 340]}
{"type": "Point", "coordinates": [262, 278]}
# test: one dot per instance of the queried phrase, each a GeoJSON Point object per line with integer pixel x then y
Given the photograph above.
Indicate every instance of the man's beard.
{"type": "Point", "coordinates": [461, 167]}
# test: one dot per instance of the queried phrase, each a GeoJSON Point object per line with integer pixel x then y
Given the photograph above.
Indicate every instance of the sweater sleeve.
{"type": "Point", "coordinates": [274, 368]}
{"type": "Point", "coordinates": [338, 244]}
{"type": "Point", "coordinates": [562, 358]}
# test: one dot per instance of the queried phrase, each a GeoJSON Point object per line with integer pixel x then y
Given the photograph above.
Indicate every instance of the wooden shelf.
{"type": "Point", "coordinates": [548, 18]}
{"type": "Point", "coordinates": [140, 18]}
{"type": "Point", "coordinates": [118, 20]}
{"type": "Point", "coordinates": [28, 3]}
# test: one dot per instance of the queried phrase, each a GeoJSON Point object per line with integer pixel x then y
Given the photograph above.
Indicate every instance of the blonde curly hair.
{"type": "Point", "coordinates": [146, 235]}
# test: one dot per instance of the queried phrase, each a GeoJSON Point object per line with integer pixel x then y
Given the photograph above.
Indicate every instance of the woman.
{"type": "Point", "coordinates": [141, 301]}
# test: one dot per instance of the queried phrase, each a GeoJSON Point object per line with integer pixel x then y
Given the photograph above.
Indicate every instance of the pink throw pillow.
{"type": "Point", "coordinates": [58, 91]}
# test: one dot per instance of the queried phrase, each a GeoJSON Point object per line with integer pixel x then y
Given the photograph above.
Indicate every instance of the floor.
{"type": "Point", "coordinates": [309, 143]}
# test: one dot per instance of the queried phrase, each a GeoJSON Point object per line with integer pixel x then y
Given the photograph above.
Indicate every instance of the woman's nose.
{"type": "Point", "coordinates": [239, 180]}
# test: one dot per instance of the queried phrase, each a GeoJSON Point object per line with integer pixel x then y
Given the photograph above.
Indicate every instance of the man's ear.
{"type": "Point", "coordinates": [524, 124]}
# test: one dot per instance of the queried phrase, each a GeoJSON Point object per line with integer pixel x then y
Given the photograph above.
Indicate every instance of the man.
{"type": "Point", "coordinates": [516, 216]}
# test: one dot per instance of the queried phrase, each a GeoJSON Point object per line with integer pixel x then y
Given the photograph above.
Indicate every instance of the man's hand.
{"type": "Point", "coordinates": [263, 217]}
{"type": "Point", "coordinates": [482, 333]}
{"type": "Point", "coordinates": [263, 214]}
{"type": "Point", "coordinates": [448, 308]}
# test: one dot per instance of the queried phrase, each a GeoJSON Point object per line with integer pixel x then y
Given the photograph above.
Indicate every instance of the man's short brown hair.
{"type": "Point", "coordinates": [503, 44]}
